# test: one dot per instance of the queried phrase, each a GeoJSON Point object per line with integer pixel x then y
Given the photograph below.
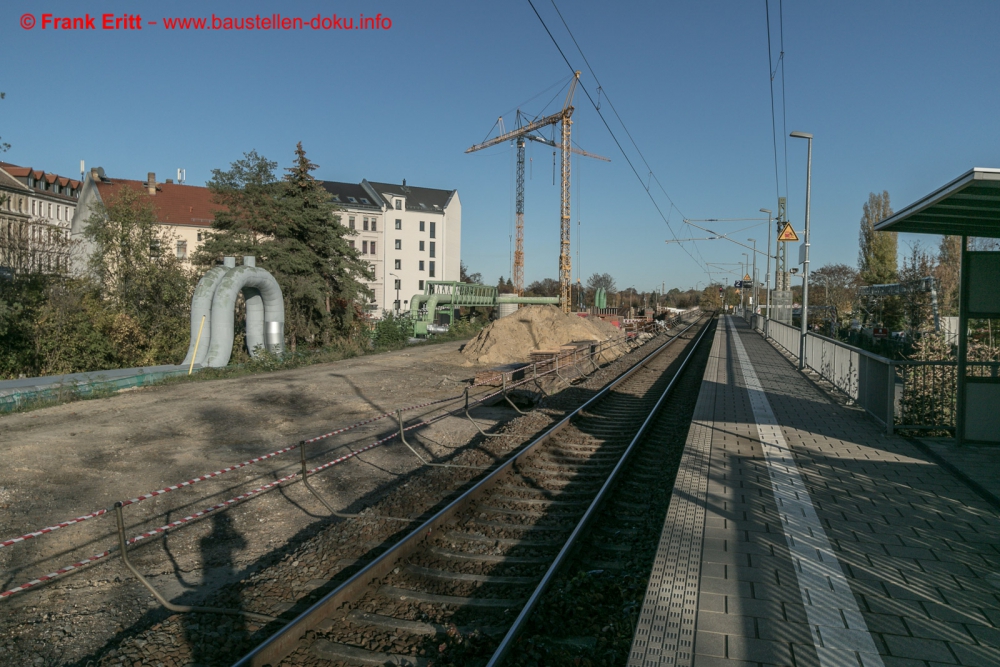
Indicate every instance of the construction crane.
{"type": "Point", "coordinates": [520, 134]}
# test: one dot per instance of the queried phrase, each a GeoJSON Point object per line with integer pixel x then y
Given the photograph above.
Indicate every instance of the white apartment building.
{"type": "Point", "coordinates": [408, 234]}
{"type": "Point", "coordinates": [36, 209]}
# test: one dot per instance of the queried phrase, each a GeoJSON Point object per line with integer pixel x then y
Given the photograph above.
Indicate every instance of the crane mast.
{"type": "Point", "coordinates": [565, 259]}
{"type": "Point", "coordinates": [518, 270]}
{"type": "Point", "coordinates": [566, 147]}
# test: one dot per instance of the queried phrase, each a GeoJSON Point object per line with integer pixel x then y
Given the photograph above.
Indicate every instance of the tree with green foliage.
{"type": "Point", "coordinates": [947, 271]}
{"type": "Point", "coordinates": [877, 262]}
{"type": "Point", "coordinates": [544, 287]}
{"type": "Point", "coordinates": [141, 283]}
{"type": "Point", "coordinates": [292, 227]}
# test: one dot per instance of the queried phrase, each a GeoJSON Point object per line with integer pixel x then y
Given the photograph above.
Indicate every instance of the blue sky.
{"type": "Point", "coordinates": [900, 96]}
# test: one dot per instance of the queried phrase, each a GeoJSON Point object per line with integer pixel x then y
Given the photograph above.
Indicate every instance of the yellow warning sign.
{"type": "Point", "coordinates": [747, 277]}
{"type": "Point", "coordinates": [787, 233]}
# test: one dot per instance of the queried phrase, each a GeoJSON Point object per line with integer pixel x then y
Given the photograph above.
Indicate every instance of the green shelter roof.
{"type": "Point", "coordinates": [968, 206]}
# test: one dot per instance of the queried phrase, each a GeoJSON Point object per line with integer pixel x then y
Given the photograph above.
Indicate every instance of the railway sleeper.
{"type": "Point", "coordinates": [328, 650]}
{"type": "Point", "coordinates": [447, 575]}
{"type": "Point", "coordinates": [448, 554]}
{"type": "Point", "coordinates": [457, 536]}
{"type": "Point", "coordinates": [409, 594]}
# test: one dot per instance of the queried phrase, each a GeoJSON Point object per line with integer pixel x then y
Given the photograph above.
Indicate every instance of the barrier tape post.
{"type": "Point", "coordinates": [474, 423]}
{"type": "Point", "coordinates": [305, 481]}
{"type": "Point", "coordinates": [503, 378]}
{"type": "Point", "coordinates": [123, 547]}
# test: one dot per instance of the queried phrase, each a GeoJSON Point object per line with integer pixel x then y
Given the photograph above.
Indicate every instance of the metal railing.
{"type": "Point", "coordinates": [899, 394]}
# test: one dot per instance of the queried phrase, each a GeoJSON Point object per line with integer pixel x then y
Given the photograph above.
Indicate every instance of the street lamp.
{"type": "Point", "coordinates": [743, 288]}
{"type": "Point", "coordinates": [805, 254]}
{"type": "Point", "coordinates": [753, 277]}
{"type": "Point", "coordinates": [767, 311]}
{"type": "Point", "coordinates": [398, 282]}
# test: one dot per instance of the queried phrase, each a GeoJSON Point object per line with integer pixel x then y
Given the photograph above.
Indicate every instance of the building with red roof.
{"type": "Point", "coordinates": [184, 212]}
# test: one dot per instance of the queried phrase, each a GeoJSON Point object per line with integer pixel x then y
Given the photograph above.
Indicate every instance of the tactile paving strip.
{"type": "Point", "coordinates": [665, 632]}
{"type": "Point", "coordinates": [838, 629]}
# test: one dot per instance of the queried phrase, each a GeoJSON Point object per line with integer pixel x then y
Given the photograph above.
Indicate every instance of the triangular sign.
{"type": "Point", "coordinates": [747, 277]}
{"type": "Point", "coordinates": [787, 233]}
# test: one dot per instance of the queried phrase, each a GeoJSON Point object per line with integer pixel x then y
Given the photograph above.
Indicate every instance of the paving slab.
{"type": "Point", "coordinates": [799, 533]}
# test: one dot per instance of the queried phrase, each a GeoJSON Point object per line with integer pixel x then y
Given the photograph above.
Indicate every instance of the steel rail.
{"type": "Point", "coordinates": [279, 645]}
{"type": "Point", "coordinates": [515, 630]}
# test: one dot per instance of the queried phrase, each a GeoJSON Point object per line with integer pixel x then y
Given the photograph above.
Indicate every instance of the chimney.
{"type": "Point", "coordinates": [169, 181]}
{"type": "Point", "coordinates": [151, 183]}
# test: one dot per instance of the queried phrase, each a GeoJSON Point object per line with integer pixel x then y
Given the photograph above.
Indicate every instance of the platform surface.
{"type": "Point", "coordinates": [800, 534]}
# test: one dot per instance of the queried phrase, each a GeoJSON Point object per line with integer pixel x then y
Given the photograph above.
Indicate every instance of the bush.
{"type": "Point", "coordinates": [391, 332]}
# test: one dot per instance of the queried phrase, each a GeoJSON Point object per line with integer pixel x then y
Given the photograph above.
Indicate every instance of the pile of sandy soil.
{"type": "Point", "coordinates": [511, 339]}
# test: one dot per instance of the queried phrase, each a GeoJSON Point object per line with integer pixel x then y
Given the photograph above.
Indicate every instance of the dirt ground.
{"type": "Point", "coordinates": [68, 460]}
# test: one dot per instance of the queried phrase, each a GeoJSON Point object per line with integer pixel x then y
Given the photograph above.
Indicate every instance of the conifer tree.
{"type": "Point", "coordinates": [293, 229]}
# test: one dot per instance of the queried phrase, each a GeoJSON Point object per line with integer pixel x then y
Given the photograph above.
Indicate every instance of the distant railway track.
{"type": "Point", "coordinates": [475, 570]}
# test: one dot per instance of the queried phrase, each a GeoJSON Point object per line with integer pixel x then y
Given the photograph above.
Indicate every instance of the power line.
{"type": "Point", "coordinates": [774, 127]}
{"type": "Point", "coordinates": [784, 129]}
{"type": "Point", "coordinates": [610, 131]}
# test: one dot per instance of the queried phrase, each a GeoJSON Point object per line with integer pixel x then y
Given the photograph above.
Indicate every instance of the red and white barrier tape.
{"type": "Point", "coordinates": [179, 522]}
{"type": "Point", "coordinates": [202, 478]}
{"type": "Point", "coordinates": [49, 529]}
{"type": "Point", "coordinates": [53, 575]}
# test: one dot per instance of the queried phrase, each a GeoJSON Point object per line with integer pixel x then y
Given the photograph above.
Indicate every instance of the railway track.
{"type": "Point", "coordinates": [459, 589]}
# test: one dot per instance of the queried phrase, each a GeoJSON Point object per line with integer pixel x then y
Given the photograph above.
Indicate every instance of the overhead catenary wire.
{"type": "Point", "coordinates": [614, 137]}
{"type": "Point", "coordinates": [597, 107]}
{"type": "Point", "coordinates": [771, 72]}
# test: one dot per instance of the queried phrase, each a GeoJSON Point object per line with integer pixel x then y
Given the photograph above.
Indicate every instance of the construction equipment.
{"type": "Point", "coordinates": [434, 310]}
{"type": "Point", "coordinates": [520, 134]}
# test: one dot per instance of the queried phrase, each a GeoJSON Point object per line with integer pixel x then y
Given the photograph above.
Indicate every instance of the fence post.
{"type": "Point", "coordinates": [890, 411]}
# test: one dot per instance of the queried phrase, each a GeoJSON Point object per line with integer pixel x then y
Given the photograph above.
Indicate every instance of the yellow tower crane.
{"type": "Point", "coordinates": [566, 147]}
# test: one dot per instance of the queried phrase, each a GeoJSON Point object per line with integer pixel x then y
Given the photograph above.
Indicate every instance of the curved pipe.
{"type": "Point", "coordinates": [201, 306]}
{"type": "Point", "coordinates": [267, 323]}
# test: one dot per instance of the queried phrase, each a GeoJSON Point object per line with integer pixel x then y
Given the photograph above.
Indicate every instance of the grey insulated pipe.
{"type": "Point", "coordinates": [201, 306]}
{"type": "Point", "coordinates": [265, 313]}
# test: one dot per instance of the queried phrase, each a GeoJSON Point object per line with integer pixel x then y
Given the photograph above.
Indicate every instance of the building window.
{"type": "Point", "coordinates": [421, 265]}
{"type": "Point", "coordinates": [33, 208]}
{"type": "Point", "coordinates": [374, 225]}
{"type": "Point", "coordinates": [200, 237]}
{"type": "Point", "coordinates": [58, 212]}
{"type": "Point", "coordinates": [372, 249]}
{"type": "Point", "coordinates": [352, 200]}
{"type": "Point", "coordinates": [364, 247]}
{"type": "Point", "coordinates": [430, 270]}
{"type": "Point", "coordinates": [50, 210]}
{"type": "Point", "coordinates": [421, 284]}
{"type": "Point", "coordinates": [351, 243]}
{"type": "Point", "coordinates": [432, 249]}
{"type": "Point", "coordinates": [182, 250]}
{"type": "Point", "coordinates": [350, 222]}
{"type": "Point", "coordinates": [365, 201]}
{"type": "Point", "coordinates": [399, 244]}
{"type": "Point", "coordinates": [399, 264]}
{"type": "Point", "coordinates": [421, 246]}
{"type": "Point", "coordinates": [399, 224]}
{"type": "Point", "coordinates": [398, 284]}
{"type": "Point", "coordinates": [421, 225]}
{"type": "Point", "coordinates": [433, 230]}
{"type": "Point", "coordinates": [399, 204]}
{"type": "Point", "coordinates": [364, 222]}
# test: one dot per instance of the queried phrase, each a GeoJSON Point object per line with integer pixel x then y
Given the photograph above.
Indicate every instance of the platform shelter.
{"type": "Point", "coordinates": [968, 206]}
